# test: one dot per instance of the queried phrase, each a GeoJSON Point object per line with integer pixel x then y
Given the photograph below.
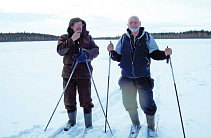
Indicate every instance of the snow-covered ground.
{"type": "Point", "coordinates": [31, 84]}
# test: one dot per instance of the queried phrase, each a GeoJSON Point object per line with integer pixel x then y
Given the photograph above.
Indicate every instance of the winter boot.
{"type": "Point", "coordinates": [88, 119]}
{"type": "Point", "coordinates": [72, 120]}
{"type": "Point", "coordinates": [151, 133]}
{"type": "Point", "coordinates": [134, 131]}
{"type": "Point", "coordinates": [135, 128]}
{"type": "Point", "coordinates": [151, 126]}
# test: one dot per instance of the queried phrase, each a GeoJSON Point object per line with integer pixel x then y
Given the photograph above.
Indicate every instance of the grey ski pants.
{"type": "Point", "coordinates": [143, 86]}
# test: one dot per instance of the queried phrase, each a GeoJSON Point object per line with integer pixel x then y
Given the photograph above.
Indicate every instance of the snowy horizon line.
{"type": "Point", "coordinates": [202, 30]}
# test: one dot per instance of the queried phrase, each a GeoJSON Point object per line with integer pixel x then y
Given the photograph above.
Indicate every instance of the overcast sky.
{"type": "Point", "coordinates": [104, 18]}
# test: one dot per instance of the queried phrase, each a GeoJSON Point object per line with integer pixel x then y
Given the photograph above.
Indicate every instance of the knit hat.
{"type": "Point", "coordinates": [74, 20]}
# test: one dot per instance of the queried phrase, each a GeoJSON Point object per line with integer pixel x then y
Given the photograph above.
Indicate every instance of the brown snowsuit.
{"type": "Point", "coordinates": [80, 79]}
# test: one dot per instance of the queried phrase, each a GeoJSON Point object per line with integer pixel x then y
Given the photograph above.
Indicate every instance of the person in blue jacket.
{"type": "Point", "coordinates": [134, 50]}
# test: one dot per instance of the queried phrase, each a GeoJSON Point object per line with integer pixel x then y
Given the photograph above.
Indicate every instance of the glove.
{"type": "Point", "coordinates": [75, 56]}
{"type": "Point", "coordinates": [83, 57]}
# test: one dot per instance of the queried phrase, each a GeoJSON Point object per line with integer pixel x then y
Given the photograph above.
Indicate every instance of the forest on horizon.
{"type": "Point", "coordinates": [23, 36]}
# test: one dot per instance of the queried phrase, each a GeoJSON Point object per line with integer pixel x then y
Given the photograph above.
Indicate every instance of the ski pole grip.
{"type": "Point", "coordinates": [167, 60]}
{"type": "Point", "coordinates": [110, 52]}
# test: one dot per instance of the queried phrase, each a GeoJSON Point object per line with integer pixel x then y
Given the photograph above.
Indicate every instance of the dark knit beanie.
{"type": "Point", "coordinates": [74, 20]}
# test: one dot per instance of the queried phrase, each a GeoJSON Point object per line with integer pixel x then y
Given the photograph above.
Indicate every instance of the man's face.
{"type": "Point", "coordinates": [77, 26]}
{"type": "Point", "coordinates": [134, 24]}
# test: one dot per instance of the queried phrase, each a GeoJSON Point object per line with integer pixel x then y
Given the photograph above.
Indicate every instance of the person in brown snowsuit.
{"type": "Point", "coordinates": [77, 46]}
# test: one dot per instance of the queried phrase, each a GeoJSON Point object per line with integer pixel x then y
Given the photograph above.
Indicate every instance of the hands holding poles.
{"type": "Point", "coordinates": [81, 57]}
{"type": "Point", "coordinates": [168, 52]}
{"type": "Point", "coordinates": [110, 47]}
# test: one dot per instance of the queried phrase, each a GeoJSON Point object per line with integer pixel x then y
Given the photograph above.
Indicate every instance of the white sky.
{"type": "Point", "coordinates": [104, 18]}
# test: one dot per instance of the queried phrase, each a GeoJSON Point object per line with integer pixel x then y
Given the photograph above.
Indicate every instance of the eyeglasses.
{"type": "Point", "coordinates": [79, 24]}
{"type": "Point", "coordinates": [133, 22]}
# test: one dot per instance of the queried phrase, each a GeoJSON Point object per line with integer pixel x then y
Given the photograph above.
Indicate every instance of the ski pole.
{"type": "Point", "coordinates": [62, 95]}
{"type": "Point", "coordinates": [98, 97]}
{"type": "Point", "coordinates": [109, 66]}
{"type": "Point", "coordinates": [169, 58]}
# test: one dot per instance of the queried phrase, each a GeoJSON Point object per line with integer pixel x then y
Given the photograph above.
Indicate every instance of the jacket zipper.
{"type": "Point", "coordinates": [133, 71]}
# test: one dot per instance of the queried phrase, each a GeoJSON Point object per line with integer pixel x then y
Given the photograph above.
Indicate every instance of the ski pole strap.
{"type": "Point", "coordinates": [167, 60]}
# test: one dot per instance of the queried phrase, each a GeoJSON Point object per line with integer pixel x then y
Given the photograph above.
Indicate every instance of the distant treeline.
{"type": "Point", "coordinates": [15, 37]}
{"type": "Point", "coordinates": [172, 35]}
{"type": "Point", "coordinates": [183, 35]}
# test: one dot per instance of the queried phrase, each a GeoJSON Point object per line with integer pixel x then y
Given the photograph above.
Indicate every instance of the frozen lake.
{"type": "Point", "coordinates": [31, 84]}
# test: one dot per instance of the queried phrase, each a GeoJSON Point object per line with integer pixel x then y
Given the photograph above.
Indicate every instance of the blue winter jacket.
{"type": "Point", "coordinates": [135, 54]}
